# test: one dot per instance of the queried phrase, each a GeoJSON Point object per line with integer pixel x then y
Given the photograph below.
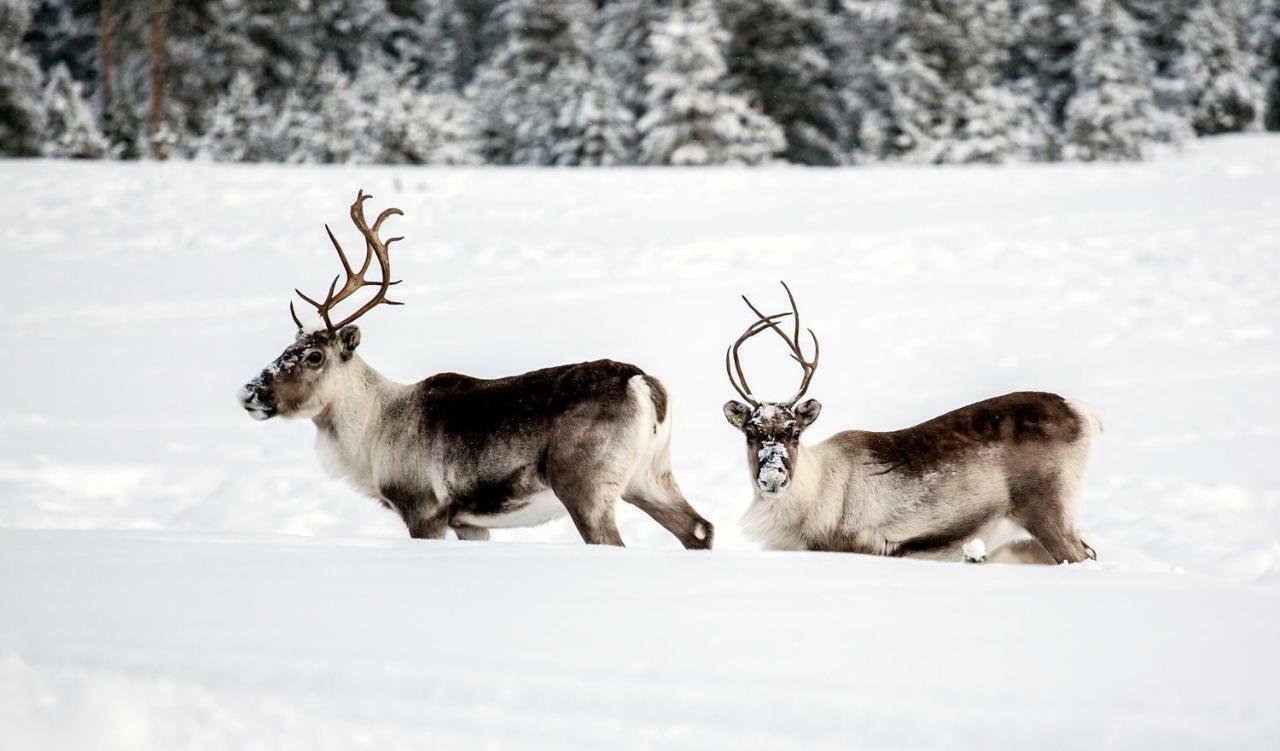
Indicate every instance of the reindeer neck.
{"type": "Point", "coordinates": [807, 471]}
{"type": "Point", "coordinates": [358, 400]}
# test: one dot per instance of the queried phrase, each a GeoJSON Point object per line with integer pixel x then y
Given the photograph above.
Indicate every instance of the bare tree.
{"type": "Point", "coordinates": [106, 25]}
{"type": "Point", "coordinates": [157, 78]}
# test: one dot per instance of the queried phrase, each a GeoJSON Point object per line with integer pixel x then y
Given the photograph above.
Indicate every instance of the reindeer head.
{"type": "Point", "coordinates": [772, 428]}
{"type": "Point", "coordinates": [307, 376]}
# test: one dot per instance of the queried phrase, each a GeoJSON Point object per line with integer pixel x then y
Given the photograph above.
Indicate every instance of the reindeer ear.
{"type": "Point", "coordinates": [807, 412]}
{"type": "Point", "coordinates": [348, 340]}
{"type": "Point", "coordinates": [736, 413]}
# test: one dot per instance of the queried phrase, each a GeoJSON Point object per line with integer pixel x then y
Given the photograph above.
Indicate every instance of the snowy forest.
{"type": "Point", "coordinates": [618, 82]}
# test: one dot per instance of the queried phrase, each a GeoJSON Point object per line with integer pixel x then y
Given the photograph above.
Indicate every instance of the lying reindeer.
{"type": "Point", "coordinates": [471, 454]}
{"type": "Point", "coordinates": [922, 491]}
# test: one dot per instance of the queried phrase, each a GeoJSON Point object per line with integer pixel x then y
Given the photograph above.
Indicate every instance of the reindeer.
{"type": "Point", "coordinates": [471, 454]}
{"type": "Point", "coordinates": [921, 491]}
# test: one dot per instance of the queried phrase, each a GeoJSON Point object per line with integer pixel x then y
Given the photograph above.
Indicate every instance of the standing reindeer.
{"type": "Point", "coordinates": [470, 454]}
{"type": "Point", "coordinates": [920, 491]}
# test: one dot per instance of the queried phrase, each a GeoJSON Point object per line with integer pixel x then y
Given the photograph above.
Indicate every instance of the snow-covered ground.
{"type": "Point", "coordinates": [191, 609]}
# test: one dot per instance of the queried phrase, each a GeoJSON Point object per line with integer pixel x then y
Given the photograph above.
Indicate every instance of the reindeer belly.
{"type": "Point", "coordinates": [528, 511]}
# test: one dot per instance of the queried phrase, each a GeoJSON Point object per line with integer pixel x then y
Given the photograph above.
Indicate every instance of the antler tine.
{"type": "Point", "coordinates": [809, 368]}
{"type": "Point", "coordinates": [346, 265]}
{"type": "Point", "coordinates": [796, 336]}
{"type": "Point", "coordinates": [374, 248]}
{"type": "Point", "coordinates": [386, 214]}
{"type": "Point", "coordinates": [729, 371]}
{"type": "Point", "coordinates": [294, 316]}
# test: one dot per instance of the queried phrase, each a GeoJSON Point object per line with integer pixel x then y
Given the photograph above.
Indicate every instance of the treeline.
{"type": "Point", "coordinates": [655, 82]}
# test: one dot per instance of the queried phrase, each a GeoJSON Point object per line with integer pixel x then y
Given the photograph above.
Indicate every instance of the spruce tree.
{"type": "Point", "coordinates": [21, 112]}
{"type": "Point", "coordinates": [519, 94]}
{"type": "Point", "coordinates": [238, 125]}
{"type": "Point", "coordinates": [688, 119]}
{"type": "Point", "coordinates": [1217, 69]}
{"type": "Point", "coordinates": [950, 93]}
{"type": "Point", "coordinates": [923, 108]}
{"type": "Point", "coordinates": [1159, 26]}
{"type": "Point", "coordinates": [1110, 116]}
{"type": "Point", "coordinates": [777, 55]}
{"type": "Point", "coordinates": [1265, 42]}
{"type": "Point", "coordinates": [595, 128]}
{"type": "Point", "coordinates": [296, 132]}
{"type": "Point", "coordinates": [415, 127]}
{"type": "Point", "coordinates": [623, 52]}
{"type": "Point", "coordinates": [71, 131]}
{"type": "Point", "coordinates": [66, 32]}
{"type": "Point", "coordinates": [861, 39]}
{"type": "Point", "coordinates": [442, 130]}
{"type": "Point", "coordinates": [345, 114]}
{"type": "Point", "coordinates": [1049, 32]}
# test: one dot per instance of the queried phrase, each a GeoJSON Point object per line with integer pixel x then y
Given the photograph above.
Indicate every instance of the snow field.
{"type": "Point", "coordinates": [222, 593]}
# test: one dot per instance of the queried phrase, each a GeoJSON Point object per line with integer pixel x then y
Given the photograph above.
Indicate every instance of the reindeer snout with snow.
{"type": "Point", "coordinates": [1012, 462]}
{"type": "Point", "coordinates": [472, 454]}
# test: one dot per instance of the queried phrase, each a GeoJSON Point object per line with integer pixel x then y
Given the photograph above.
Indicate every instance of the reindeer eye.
{"type": "Point", "coordinates": [314, 358]}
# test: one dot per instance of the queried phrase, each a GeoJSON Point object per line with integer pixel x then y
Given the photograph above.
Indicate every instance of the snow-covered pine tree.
{"type": "Point", "coordinates": [296, 133]}
{"type": "Point", "coordinates": [1000, 120]}
{"type": "Point", "coordinates": [239, 125]}
{"type": "Point", "coordinates": [415, 127]}
{"type": "Point", "coordinates": [950, 95]}
{"type": "Point", "coordinates": [443, 130]}
{"type": "Point", "coordinates": [688, 119]}
{"type": "Point", "coordinates": [343, 116]}
{"type": "Point", "coordinates": [1265, 42]}
{"type": "Point", "coordinates": [595, 128]}
{"type": "Point", "coordinates": [21, 112]}
{"type": "Point", "coordinates": [861, 41]}
{"type": "Point", "coordinates": [623, 52]}
{"type": "Point", "coordinates": [71, 131]}
{"type": "Point", "coordinates": [1110, 116]}
{"type": "Point", "coordinates": [1159, 24]}
{"type": "Point", "coordinates": [518, 98]}
{"type": "Point", "coordinates": [1048, 34]}
{"type": "Point", "coordinates": [777, 55]}
{"type": "Point", "coordinates": [1217, 69]}
{"type": "Point", "coordinates": [923, 110]}
{"type": "Point", "coordinates": [1003, 122]}
{"type": "Point", "coordinates": [355, 33]}
{"type": "Point", "coordinates": [434, 40]}
{"type": "Point", "coordinates": [66, 32]}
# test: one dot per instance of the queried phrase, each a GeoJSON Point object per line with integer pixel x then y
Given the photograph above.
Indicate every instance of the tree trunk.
{"type": "Point", "coordinates": [157, 79]}
{"type": "Point", "coordinates": [106, 38]}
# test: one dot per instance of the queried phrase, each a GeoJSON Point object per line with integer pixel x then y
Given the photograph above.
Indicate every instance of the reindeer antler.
{"type": "Point", "coordinates": [793, 342]}
{"type": "Point", "coordinates": [375, 247]}
{"type": "Point", "coordinates": [740, 384]}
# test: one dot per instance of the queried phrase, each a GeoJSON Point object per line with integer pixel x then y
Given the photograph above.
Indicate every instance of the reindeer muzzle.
{"type": "Point", "coordinates": [258, 400]}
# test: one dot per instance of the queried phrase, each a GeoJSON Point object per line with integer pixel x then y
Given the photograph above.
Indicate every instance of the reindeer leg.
{"type": "Point", "coordinates": [592, 514]}
{"type": "Point", "coordinates": [587, 468]}
{"type": "Point", "coordinates": [468, 532]}
{"type": "Point", "coordinates": [662, 500]}
{"type": "Point", "coordinates": [432, 528]}
{"type": "Point", "coordinates": [1039, 506]}
{"type": "Point", "coordinates": [590, 501]}
{"type": "Point", "coordinates": [421, 512]}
